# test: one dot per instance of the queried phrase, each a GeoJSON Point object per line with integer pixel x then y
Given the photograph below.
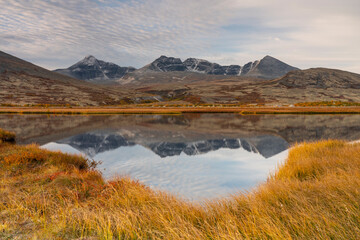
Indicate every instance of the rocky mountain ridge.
{"type": "Point", "coordinates": [92, 69]}
{"type": "Point", "coordinates": [267, 68]}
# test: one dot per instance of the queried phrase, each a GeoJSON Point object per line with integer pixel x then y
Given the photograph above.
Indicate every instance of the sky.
{"type": "Point", "coordinates": [303, 33]}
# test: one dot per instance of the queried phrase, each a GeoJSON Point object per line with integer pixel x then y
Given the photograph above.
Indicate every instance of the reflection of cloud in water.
{"type": "Point", "coordinates": [209, 175]}
{"type": "Point", "coordinates": [61, 147]}
{"type": "Point", "coordinates": [212, 174]}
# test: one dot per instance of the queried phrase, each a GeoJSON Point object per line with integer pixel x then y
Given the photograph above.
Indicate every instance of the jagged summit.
{"type": "Point", "coordinates": [92, 69]}
{"type": "Point", "coordinates": [167, 64]}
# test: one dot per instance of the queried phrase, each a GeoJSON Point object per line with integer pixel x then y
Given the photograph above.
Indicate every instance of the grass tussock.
{"type": "Point", "coordinates": [47, 195]}
{"type": "Point", "coordinates": [6, 136]}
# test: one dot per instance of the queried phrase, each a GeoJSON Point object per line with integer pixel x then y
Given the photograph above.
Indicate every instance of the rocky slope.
{"type": "Point", "coordinates": [94, 70]}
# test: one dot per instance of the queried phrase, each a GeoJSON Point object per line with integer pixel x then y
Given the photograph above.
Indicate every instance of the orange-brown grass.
{"type": "Point", "coordinates": [6, 136]}
{"type": "Point", "coordinates": [47, 195]}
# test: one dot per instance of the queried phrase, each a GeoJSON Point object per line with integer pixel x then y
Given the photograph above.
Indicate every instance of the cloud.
{"type": "Point", "coordinates": [132, 32]}
{"type": "Point", "coordinates": [108, 29]}
{"type": "Point", "coordinates": [303, 33]}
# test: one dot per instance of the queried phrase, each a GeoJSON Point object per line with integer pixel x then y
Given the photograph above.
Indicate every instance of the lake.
{"type": "Point", "coordinates": [194, 156]}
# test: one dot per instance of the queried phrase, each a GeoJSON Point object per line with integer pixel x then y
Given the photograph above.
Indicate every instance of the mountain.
{"type": "Point", "coordinates": [94, 70]}
{"type": "Point", "coordinates": [23, 83]}
{"type": "Point", "coordinates": [266, 68]}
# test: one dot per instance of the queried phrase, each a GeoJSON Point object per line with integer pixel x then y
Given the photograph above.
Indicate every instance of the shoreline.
{"type": "Point", "coordinates": [179, 110]}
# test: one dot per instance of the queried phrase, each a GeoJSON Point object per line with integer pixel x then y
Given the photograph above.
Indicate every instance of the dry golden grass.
{"type": "Point", "coordinates": [47, 195]}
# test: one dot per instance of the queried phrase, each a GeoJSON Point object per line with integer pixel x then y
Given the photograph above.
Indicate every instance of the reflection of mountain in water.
{"type": "Point", "coordinates": [166, 149]}
{"type": "Point", "coordinates": [94, 143]}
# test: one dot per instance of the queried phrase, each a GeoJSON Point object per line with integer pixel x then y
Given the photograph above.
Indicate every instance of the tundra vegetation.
{"type": "Point", "coordinates": [314, 194]}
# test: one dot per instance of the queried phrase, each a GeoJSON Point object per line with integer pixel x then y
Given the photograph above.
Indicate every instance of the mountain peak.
{"type": "Point", "coordinates": [89, 57]}
{"type": "Point", "coordinates": [268, 57]}
{"type": "Point", "coordinates": [89, 60]}
{"type": "Point", "coordinates": [271, 60]}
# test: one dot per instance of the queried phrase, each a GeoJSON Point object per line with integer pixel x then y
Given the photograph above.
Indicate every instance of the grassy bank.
{"type": "Point", "coordinates": [48, 195]}
{"type": "Point", "coordinates": [180, 110]}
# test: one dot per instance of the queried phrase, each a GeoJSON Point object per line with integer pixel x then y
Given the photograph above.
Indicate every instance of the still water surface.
{"type": "Point", "coordinates": [194, 156]}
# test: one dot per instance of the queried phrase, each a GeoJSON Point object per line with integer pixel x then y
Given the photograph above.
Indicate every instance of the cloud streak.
{"type": "Point", "coordinates": [132, 32]}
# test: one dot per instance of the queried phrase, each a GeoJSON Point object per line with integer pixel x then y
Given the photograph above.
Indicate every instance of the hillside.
{"type": "Point", "coordinates": [22, 82]}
